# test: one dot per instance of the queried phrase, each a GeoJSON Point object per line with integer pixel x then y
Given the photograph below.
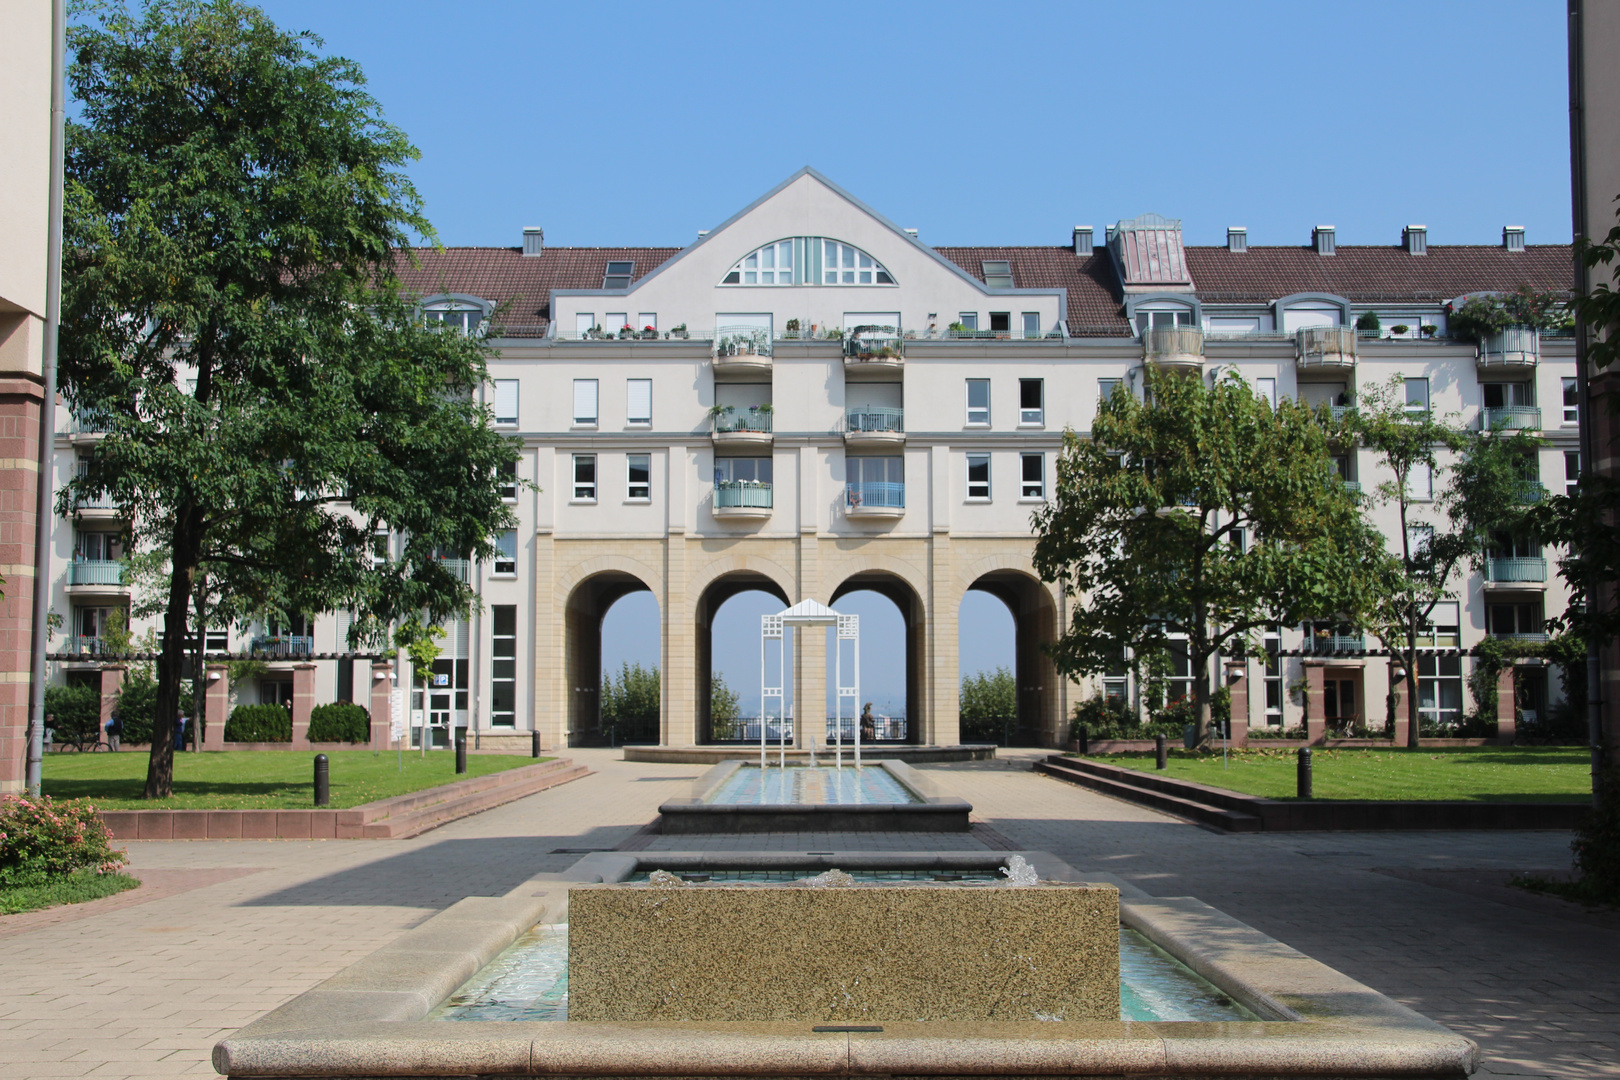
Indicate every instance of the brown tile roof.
{"type": "Point", "coordinates": [521, 285]}
{"type": "Point", "coordinates": [1368, 274]}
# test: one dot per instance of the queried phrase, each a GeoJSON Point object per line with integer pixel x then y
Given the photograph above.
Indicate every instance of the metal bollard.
{"type": "Point", "coordinates": [534, 744]}
{"type": "Point", "coordinates": [461, 751]}
{"type": "Point", "coordinates": [1304, 781]}
{"type": "Point", "coordinates": [323, 781]}
{"type": "Point", "coordinates": [1085, 741]}
{"type": "Point", "coordinates": [1162, 750]}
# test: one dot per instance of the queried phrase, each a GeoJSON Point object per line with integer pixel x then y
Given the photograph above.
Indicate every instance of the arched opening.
{"type": "Point", "coordinates": [612, 621]}
{"type": "Point", "coordinates": [728, 646]}
{"type": "Point", "coordinates": [1017, 634]}
{"type": "Point", "coordinates": [892, 654]}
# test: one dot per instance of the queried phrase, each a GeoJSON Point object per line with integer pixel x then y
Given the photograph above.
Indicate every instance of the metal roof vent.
{"type": "Point", "coordinates": [1322, 239]}
{"type": "Point", "coordinates": [534, 240]}
{"type": "Point", "coordinates": [1082, 240]}
{"type": "Point", "coordinates": [1148, 253]}
{"type": "Point", "coordinates": [911, 233]}
{"type": "Point", "coordinates": [1513, 237]}
{"type": "Point", "coordinates": [1415, 239]}
{"type": "Point", "coordinates": [1237, 238]}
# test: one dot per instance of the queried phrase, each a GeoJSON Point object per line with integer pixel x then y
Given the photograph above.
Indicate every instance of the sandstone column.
{"type": "Point", "coordinates": [1506, 714]}
{"type": "Point", "coordinates": [303, 702]}
{"type": "Point", "coordinates": [216, 707]}
{"type": "Point", "coordinates": [381, 703]}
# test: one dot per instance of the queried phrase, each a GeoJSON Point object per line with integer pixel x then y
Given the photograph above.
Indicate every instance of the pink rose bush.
{"type": "Point", "coordinates": [45, 838]}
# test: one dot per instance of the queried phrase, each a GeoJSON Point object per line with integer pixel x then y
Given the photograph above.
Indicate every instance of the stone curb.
{"type": "Point", "coordinates": [393, 818]}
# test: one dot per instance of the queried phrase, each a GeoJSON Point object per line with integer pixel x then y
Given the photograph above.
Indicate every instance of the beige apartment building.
{"type": "Point", "coordinates": [25, 142]}
{"type": "Point", "coordinates": [810, 400]}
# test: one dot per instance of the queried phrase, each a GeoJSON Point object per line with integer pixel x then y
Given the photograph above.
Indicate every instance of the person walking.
{"type": "Point", "coordinates": [180, 731]}
{"type": "Point", "coordinates": [115, 731]}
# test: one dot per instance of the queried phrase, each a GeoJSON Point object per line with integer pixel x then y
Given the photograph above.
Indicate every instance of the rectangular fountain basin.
{"type": "Point", "coordinates": [739, 797]}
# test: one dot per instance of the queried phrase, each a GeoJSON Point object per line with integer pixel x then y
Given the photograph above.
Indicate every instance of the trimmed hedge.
{"type": "Point", "coordinates": [76, 709]}
{"type": "Point", "coordinates": [259, 723]}
{"type": "Point", "coordinates": [341, 721]}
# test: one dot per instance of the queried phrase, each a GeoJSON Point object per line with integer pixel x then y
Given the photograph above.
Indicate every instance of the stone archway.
{"type": "Point", "coordinates": [720, 589]}
{"type": "Point", "coordinates": [914, 615]}
{"type": "Point", "coordinates": [1040, 720]}
{"type": "Point", "coordinates": [587, 605]}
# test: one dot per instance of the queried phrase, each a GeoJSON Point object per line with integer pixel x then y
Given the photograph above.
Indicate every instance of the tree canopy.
{"type": "Point", "coordinates": [271, 398]}
{"type": "Point", "coordinates": [1193, 517]}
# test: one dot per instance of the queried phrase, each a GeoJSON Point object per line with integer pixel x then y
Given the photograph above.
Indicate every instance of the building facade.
{"type": "Point", "coordinates": [809, 400]}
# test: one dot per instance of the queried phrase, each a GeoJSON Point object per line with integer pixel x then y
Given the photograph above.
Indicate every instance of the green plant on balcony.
{"type": "Point", "coordinates": [1367, 323]}
{"type": "Point", "coordinates": [679, 332]}
{"type": "Point", "coordinates": [1399, 328]}
{"type": "Point", "coordinates": [1478, 317]}
{"type": "Point", "coordinates": [1429, 330]}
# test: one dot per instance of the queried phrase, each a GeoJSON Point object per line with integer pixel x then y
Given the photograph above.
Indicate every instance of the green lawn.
{"type": "Point", "coordinates": [259, 779]}
{"type": "Point", "coordinates": [1485, 773]}
{"type": "Point", "coordinates": [75, 888]}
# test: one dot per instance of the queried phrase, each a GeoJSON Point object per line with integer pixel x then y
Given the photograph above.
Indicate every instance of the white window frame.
{"type": "Point", "coordinates": [587, 487]}
{"type": "Point", "coordinates": [647, 320]}
{"type": "Point", "coordinates": [584, 322]}
{"type": "Point", "coordinates": [592, 388]}
{"type": "Point", "coordinates": [1572, 470]}
{"type": "Point", "coordinates": [1035, 417]}
{"type": "Point", "coordinates": [630, 485]}
{"type": "Point", "coordinates": [983, 419]}
{"type": "Point", "coordinates": [1428, 402]}
{"type": "Point", "coordinates": [1032, 325]}
{"type": "Point", "coordinates": [503, 719]}
{"type": "Point", "coordinates": [968, 319]}
{"type": "Point", "coordinates": [505, 562]}
{"type": "Point", "coordinates": [508, 491]}
{"type": "Point", "coordinates": [633, 387]}
{"type": "Point", "coordinates": [505, 400]}
{"type": "Point", "coordinates": [1572, 412]}
{"type": "Point", "coordinates": [1420, 482]}
{"type": "Point", "coordinates": [1105, 387]}
{"type": "Point", "coordinates": [1028, 490]}
{"type": "Point", "coordinates": [978, 490]}
{"type": "Point", "coordinates": [1267, 389]}
{"type": "Point", "coordinates": [614, 322]}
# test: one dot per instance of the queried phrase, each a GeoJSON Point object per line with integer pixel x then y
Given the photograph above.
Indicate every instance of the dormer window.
{"type": "Point", "coordinates": [463, 315]}
{"type": "Point", "coordinates": [618, 275]}
{"type": "Point", "coordinates": [997, 273]}
{"type": "Point", "coordinates": [807, 260]}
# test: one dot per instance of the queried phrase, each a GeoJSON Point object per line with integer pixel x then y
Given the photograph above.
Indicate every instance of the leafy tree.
{"type": "Point", "coordinates": [235, 203]}
{"type": "Point", "coordinates": [1201, 511]}
{"type": "Point", "coordinates": [989, 695]}
{"type": "Point", "coordinates": [725, 704]}
{"type": "Point", "coordinates": [634, 695]}
{"type": "Point", "coordinates": [1441, 529]}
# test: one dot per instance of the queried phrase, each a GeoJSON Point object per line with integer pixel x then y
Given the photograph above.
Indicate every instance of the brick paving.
{"type": "Point", "coordinates": [227, 930]}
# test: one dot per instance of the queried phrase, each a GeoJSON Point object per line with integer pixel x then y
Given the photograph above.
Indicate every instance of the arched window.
{"type": "Point", "coordinates": [465, 313]}
{"type": "Point", "coordinates": [808, 260]}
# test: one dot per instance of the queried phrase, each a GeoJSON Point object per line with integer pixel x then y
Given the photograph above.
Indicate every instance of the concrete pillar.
{"type": "Point", "coordinates": [1403, 722]}
{"type": "Point", "coordinates": [1237, 683]}
{"type": "Point", "coordinates": [303, 702]}
{"type": "Point", "coordinates": [382, 685]}
{"type": "Point", "coordinates": [678, 686]}
{"type": "Point", "coordinates": [1506, 714]}
{"type": "Point", "coordinates": [943, 724]}
{"type": "Point", "coordinates": [216, 707]}
{"type": "Point", "coordinates": [112, 681]}
{"type": "Point", "coordinates": [1315, 702]}
{"type": "Point", "coordinates": [550, 689]}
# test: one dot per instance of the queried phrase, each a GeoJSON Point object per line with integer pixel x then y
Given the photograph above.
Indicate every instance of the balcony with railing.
{"type": "Point", "coordinates": [874, 353]}
{"type": "Point", "coordinates": [1532, 491]}
{"type": "Point", "coordinates": [96, 574]}
{"type": "Point", "coordinates": [875, 498]}
{"type": "Point", "coordinates": [1517, 347]}
{"type": "Point", "coordinates": [461, 568]}
{"type": "Point", "coordinates": [874, 426]}
{"type": "Point", "coordinates": [85, 645]}
{"type": "Point", "coordinates": [88, 425]}
{"type": "Point", "coordinates": [99, 507]}
{"type": "Point", "coordinates": [1322, 644]}
{"type": "Point", "coordinates": [1510, 418]}
{"type": "Point", "coordinates": [281, 645]}
{"type": "Point", "coordinates": [742, 427]}
{"type": "Point", "coordinates": [1536, 638]}
{"type": "Point", "coordinates": [1515, 570]}
{"type": "Point", "coordinates": [748, 499]}
{"type": "Point", "coordinates": [1326, 346]}
{"type": "Point", "coordinates": [1173, 346]}
{"type": "Point", "coordinates": [679, 333]}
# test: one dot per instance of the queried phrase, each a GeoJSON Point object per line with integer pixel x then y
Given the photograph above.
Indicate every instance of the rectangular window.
{"type": "Point", "coordinates": [978, 476]}
{"type": "Point", "coordinates": [638, 392]}
{"type": "Point", "coordinates": [508, 485]}
{"type": "Point", "coordinates": [618, 275]}
{"type": "Point", "coordinates": [616, 322]}
{"type": "Point", "coordinates": [1417, 395]}
{"type": "Point", "coordinates": [1117, 683]}
{"type": "Point", "coordinates": [1420, 481]}
{"type": "Point", "coordinates": [1417, 539]}
{"type": "Point", "coordinates": [1272, 643]}
{"type": "Point", "coordinates": [97, 547]}
{"type": "Point", "coordinates": [1444, 627]}
{"type": "Point", "coordinates": [639, 476]}
{"type": "Point", "coordinates": [1032, 324]}
{"type": "Point", "coordinates": [1106, 388]}
{"type": "Point", "coordinates": [584, 322]}
{"type": "Point", "coordinates": [503, 665]}
{"type": "Point", "coordinates": [1572, 470]}
{"type": "Point", "coordinates": [876, 481]}
{"type": "Point", "coordinates": [379, 548]}
{"type": "Point", "coordinates": [968, 319]}
{"type": "Point", "coordinates": [1001, 322]}
{"type": "Point", "coordinates": [1032, 401]}
{"type": "Point", "coordinates": [647, 321]}
{"type": "Point", "coordinates": [978, 401]}
{"type": "Point", "coordinates": [584, 401]}
{"type": "Point", "coordinates": [1513, 619]}
{"type": "Point", "coordinates": [585, 477]}
{"type": "Point", "coordinates": [1439, 692]}
{"type": "Point", "coordinates": [1034, 476]}
{"type": "Point", "coordinates": [1501, 395]}
{"type": "Point", "coordinates": [742, 470]}
{"type": "Point", "coordinates": [997, 273]}
{"type": "Point", "coordinates": [1267, 389]}
{"type": "Point", "coordinates": [506, 552]}
{"type": "Point", "coordinates": [506, 401]}
{"type": "Point", "coordinates": [1572, 401]}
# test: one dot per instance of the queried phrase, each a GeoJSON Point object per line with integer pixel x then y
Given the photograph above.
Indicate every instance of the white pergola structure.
{"type": "Point", "coordinates": [801, 616]}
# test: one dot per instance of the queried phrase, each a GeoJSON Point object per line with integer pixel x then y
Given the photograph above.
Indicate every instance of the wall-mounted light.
{"type": "Point", "coordinates": [215, 676]}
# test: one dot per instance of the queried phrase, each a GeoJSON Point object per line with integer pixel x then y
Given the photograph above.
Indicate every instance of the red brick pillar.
{"type": "Point", "coordinates": [20, 399]}
{"type": "Point", "coordinates": [303, 702]}
{"type": "Point", "coordinates": [1403, 722]}
{"type": "Point", "coordinates": [216, 707]}
{"type": "Point", "coordinates": [1237, 683]}
{"type": "Point", "coordinates": [382, 684]}
{"type": "Point", "coordinates": [112, 681]}
{"type": "Point", "coordinates": [1315, 703]}
{"type": "Point", "coordinates": [1507, 716]}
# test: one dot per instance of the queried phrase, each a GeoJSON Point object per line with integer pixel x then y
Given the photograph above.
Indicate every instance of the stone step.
{"type": "Point", "coordinates": [1122, 784]}
{"type": "Point", "coordinates": [431, 814]}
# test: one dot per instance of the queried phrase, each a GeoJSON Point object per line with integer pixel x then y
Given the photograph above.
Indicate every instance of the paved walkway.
{"type": "Point", "coordinates": [143, 984]}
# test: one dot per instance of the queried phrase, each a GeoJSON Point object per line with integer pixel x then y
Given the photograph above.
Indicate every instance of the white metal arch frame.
{"type": "Point", "coordinates": [803, 615]}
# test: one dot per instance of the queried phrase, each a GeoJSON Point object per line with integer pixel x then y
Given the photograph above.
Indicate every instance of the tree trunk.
{"type": "Point", "coordinates": [182, 568]}
{"type": "Point", "coordinates": [1411, 690]}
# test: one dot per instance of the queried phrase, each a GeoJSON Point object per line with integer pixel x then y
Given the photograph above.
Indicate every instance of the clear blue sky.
{"type": "Point", "coordinates": [642, 123]}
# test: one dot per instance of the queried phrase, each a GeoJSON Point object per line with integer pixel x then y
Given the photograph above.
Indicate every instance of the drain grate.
{"type": "Point", "coordinates": [577, 850]}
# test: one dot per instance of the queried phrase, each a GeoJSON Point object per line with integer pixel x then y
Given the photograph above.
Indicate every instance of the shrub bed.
{"type": "Point", "coordinates": [42, 840]}
{"type": "Point", "coordinates": [341, 721]}
{"type": "Point", "coordinates": [259, 723]}
{"type": "Point", "coordinates": [75, 710]}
